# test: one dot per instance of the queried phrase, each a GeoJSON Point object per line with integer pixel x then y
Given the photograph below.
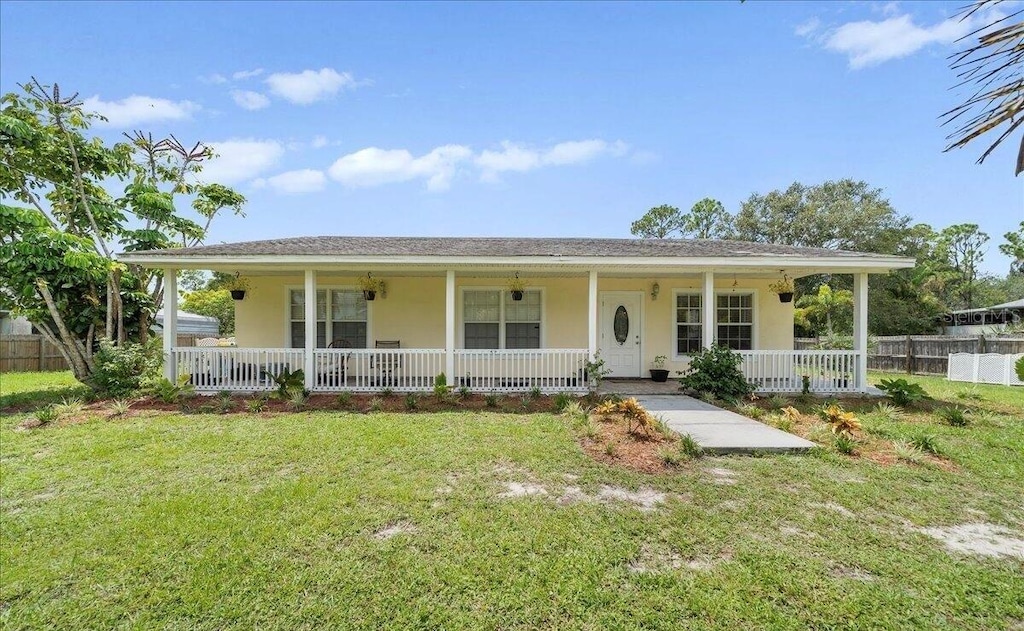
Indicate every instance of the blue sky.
{"type": "Point", "coordinates": [525, 119]}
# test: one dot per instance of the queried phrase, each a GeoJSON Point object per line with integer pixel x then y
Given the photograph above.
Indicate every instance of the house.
{"type": "Point", "coordinates": [190, 323]}
{"type": "Point", "coordinates": [444, 305]}
{"type": "Point", "coordinates": [10, 325]}
{"type": "Point", "coordinates": [984, 321]}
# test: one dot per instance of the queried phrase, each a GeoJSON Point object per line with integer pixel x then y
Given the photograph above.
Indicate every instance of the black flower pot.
{"type": "Point", "coordinates": [369, 294]}
{"type": "Point", "coordinates": [786, 296]}
{"type": "Point", "coordinates": [517, 295]}
{"type": "Point", "coordinates": [237, 294]}
{"type": "Point", "coordinates": [659, 374]}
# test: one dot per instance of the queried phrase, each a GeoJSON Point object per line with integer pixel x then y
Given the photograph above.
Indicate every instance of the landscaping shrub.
{"type": "Point", "coordinates": [925, 442]}
{"type": "Point", "coordinates": [119, 407]}
{"type": "Point", "coordinates": [376, 404]}
{"type": "Point", "coordinates": [717, 370]}
{"type": "Point", "coordinates": [46, 415]}
{"type": "Point", "coordinates": [907, 451]}
{"type": "Point", "coordinates": [288, 381]}
{"type": "Point", "coordinates": [1018, 366]}
{"type": "Point", "coordinates": [843, 423]}
{"type": "Point", "coordinates": [689, 447]}
{"type": "Point", "coordinates": [441, 387]}
{"type": "Point", "coordinates": [410, 402]}
{"type": "Point", "coordinates": [888, 411]}
{"type": "Point", "coordinates": [256, 404]}
{"type": "Point", "coordinates": [902, 392]}
{"type": "Point", "coordinates": [845, 444]}
{"type": "Point", "coordinates": [344, 399]}
{"type": "Point", "coordinates": [171, 391]}
{"type": "Point", "coordinates": [563, 399]}
{"type": "Point", "coordinates": [121, 371]}
{"type": "Point", "coordinates": [491, 400]}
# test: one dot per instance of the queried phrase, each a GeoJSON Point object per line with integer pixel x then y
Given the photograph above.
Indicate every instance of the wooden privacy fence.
{"type": "Point", "coordinates": [32, 353]}
{"type": "Point", "coordinates": [926, 354]}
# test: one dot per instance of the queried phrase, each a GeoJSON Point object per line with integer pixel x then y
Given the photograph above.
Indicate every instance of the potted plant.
{"type": "Point", "coordinates": [784, 288]}
{"type": "Point", "coordinates": [238, 287]}
{"type": "Point", "coordinates": [370, 286]}
{"type": "Point", "coordinates": [516, 286]}
{"type": "Point", "coordinates": [659, 373]}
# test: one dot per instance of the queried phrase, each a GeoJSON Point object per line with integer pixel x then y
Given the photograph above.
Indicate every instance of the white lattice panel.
{"type": "Point", "coordinates": [986, 368]}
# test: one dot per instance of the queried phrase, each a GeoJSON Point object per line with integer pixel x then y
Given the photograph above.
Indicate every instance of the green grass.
{"type": "Point", "coordinates": [36, 389]}
{"type": "Point", "coordinates": [243, 521]}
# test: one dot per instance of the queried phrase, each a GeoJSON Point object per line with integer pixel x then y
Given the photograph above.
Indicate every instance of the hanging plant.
{"type": "Point", "coordinates": [516, 286]}
{"type": "Point", "coordinates": [370, 286]}
{"type": "Point", "coordinates": [784, 288]}
{"type": "Point", "coordinates": [238, 287]}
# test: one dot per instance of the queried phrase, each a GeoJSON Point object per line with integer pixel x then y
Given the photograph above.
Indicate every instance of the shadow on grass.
{"type": "Point", "coordinates": [30, 391]}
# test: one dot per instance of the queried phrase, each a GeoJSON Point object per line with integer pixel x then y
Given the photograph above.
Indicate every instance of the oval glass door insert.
{"type": "Point", "coordinates": [620, 325]}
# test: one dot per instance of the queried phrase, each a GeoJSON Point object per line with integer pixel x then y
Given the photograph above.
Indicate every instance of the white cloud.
{"type": "Point", "coordinates": [515, 157]}
{"type": "Point", "coordinates": [140, 109]}
{"type": "Point", "coordinates": [309, 86]}
{"type": "Point", "coordinates": [808, 27]}
{"type": "Point", "coordinates": [319, 141]}
{"type": "Point", "coordinates": [374, 166]}
{"type": "Point", "coordinates": [247, 74]}
{"type": "Point", "coordinates": [294, 182]}
{"type": "Point", "coordinates": [240, 159]}
{"type": "Point", "coordinates": [249, 100]}
{"type": "Point", "coordinates": [215, 78]}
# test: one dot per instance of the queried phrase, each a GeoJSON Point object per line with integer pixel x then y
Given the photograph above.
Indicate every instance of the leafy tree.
{"type": "Point", "coordinates": [708, 219]}
{"type": "Point", "coordinates": [958, 253]}
{"type": "Point", "coordinates": [992, 69]}
{"type": "Point", "coordinates": [825, 311]}
{"type": "Point", "coordinates": [216, 303]}
{"type": "Point", "coordinates": [659, 223]}
{"type": "Point", "coordinates": [1014, 248]}
{"type": "Point", "coordinates": [57, 248]}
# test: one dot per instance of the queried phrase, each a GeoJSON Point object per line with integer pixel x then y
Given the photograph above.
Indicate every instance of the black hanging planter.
{"type": "Point", "coordinates": [369, 294]}
{"type": "Point", "coordinates": [517, 295]}
{"type": "Point", "coordinates": [237, 294]}
{"type": "Point", "coordinates": [786, 297]}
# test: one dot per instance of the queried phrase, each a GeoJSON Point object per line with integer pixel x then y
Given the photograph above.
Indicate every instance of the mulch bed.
{"type": "Point", "coordinates": [631, 450]}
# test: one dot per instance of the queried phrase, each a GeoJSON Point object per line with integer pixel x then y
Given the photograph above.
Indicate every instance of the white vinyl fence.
{"type": "Point", "coordinates": [984, 368]}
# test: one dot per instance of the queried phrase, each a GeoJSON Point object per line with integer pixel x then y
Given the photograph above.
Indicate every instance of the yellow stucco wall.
{"type": "Point", "coordinates": [414, 312]}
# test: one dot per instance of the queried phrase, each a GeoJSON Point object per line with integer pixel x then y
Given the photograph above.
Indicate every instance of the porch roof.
{"type": "Point", "coordinates": [546, 252]}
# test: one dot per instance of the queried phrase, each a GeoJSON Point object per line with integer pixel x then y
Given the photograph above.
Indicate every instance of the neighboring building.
{"type": "Point", "coordinates": [983, 321]}
{"type": "Point", "coordinates": [445, 306]}
{"type": "Point", "coordinates": [191, 323]}
{"type": "Point", "coordinates": [10, 325]}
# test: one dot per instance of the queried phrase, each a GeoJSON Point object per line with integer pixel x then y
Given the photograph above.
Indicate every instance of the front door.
{"type": "Point", "coordinates": [621, 325]}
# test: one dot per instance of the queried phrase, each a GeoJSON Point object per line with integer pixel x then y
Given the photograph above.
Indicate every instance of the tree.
{"type": "Point", "coordinates": [708, 219]}
{"type": "Point", "coordinates": [216, 303]}
{"type": "Point", "coordinates": [823, 311]}
{"type": "Point", "coordinates": [57, 248]}
{"type": "Point", "coordinates": [658, 223]}
{"type": "Point", "coordinates": [992, 68]}
{"type": "Point", "coordinates": [1014, 248]}
{"type": "Point", "coordinates": [959, 251]}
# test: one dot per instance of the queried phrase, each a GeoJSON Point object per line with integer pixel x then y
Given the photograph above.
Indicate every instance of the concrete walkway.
{"type": "Point", "coordinates": [718, 430]}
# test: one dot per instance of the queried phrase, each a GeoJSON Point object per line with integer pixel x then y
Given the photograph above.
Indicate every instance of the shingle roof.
{"type": "Point", "coordinates": [500, 247]}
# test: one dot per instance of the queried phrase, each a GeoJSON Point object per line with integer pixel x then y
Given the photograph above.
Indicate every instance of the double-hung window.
{"type": "Point", "coordinates": [492, 320]}
{"type": "Point", "coordinates": [734, 322]}
{"type": "Point", "coordinates": [688, 324]}
{"type": "Point", "coordinates": [347, 321]}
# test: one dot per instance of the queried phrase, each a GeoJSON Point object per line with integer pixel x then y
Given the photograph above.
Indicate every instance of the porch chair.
{"type": "Point", "coordinates": [336, 367]}
{"type": "Point", "coordinates": [388, 364]}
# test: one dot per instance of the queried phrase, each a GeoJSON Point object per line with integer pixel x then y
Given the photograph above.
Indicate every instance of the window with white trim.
{"type": "Point", "coordinates": [346, 325]}
{"type": "Point", "coordinates": [689, 332]}
{"type": "Point", "coordinates": [735, 321]}
{"type": "Point", "coordinates": [492, 320]}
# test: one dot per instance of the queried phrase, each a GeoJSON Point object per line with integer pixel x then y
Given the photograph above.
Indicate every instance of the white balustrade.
{"type": "Point", "coordinates": [521, 370]}
{"type": "Point", "coordinates": [375, 370]}
{"type": "Point", "coordinates": [828, 371]}
{"type": "Point", "coordinates": [212, 369]}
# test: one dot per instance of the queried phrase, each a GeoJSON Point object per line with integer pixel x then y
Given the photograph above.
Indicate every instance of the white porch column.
{"type": "Point", "coordinates": [310, 307]}
{"type": "Point", "coordinates": [860, 329]}
{"type": "Point", "coordinates": [170, 322]}
{"type": "Point", "coordinates": [449, 326]}
{"type": "Point", "coordinates": [592, 315]}
{"type": "Point", "coordinates": [707, 305]}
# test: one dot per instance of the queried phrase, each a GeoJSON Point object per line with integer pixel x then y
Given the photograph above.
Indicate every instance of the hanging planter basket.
{"type": "Point", "coordinates": [238, 294]}
{"type": "Point", "coordinates": [786, 296]}
{"type": "Point", "coordinates": [517, 295]}
{"type": "Point", "coordinates": [369, 294]}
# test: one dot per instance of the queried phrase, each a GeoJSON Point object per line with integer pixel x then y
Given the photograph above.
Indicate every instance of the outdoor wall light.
{"type": "Point", "coordinates": [655, 290]}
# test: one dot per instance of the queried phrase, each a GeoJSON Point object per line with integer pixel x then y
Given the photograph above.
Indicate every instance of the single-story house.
{"type": "Point", "coordinates": [190, 323]}
{"type": "Point", "coordinates": [983, 321]}
{"type": "Point", "coordinates": [445, 305]}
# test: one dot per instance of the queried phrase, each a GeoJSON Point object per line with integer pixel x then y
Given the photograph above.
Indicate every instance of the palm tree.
{"type": "Point", "coordinates": [826, 307]}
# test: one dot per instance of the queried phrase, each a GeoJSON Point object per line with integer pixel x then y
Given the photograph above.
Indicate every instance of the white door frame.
{"type": "Point", "coordinates": [639, 294]}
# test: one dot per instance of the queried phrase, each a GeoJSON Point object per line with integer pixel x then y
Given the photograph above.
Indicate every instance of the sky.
{"type": "Point", "coordinates": [490, 119]}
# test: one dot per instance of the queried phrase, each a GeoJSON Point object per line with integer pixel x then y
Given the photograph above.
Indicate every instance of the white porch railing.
{"type": "Point", "coordinates": [212, 369]}
{"type": "Point", "coordinates": [375, 370]}
{"type": "Point", "coordinates": [831, 371]}
{"type": "Point", "coordinates": [549, 369]}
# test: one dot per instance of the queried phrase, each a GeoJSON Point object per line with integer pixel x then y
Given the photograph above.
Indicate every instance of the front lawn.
{"type": "Point", "coordinates": [478, 519]}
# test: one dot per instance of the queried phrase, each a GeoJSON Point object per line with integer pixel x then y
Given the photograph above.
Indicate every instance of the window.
{"type": "Point", "coordinates": [688, 324]}
{"type": "Point", "coordinates": [735, 321]}
{"type": "Point", "coordinates": [491, 319]}
{"type": "Point", "coordinates": [347, 309]}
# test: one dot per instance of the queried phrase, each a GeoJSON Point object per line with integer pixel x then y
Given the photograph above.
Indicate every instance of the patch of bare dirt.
{"type": "Point", "coordinates": [655, 560]}
{"type": "Point", "coordinates": [723, 475]}
{"type": "Point", "coordinates": [395, 529]}
{"type": "Point", "coordinates": [852, 573]}
{"type": "Point", "coordinates": [982, 539]}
